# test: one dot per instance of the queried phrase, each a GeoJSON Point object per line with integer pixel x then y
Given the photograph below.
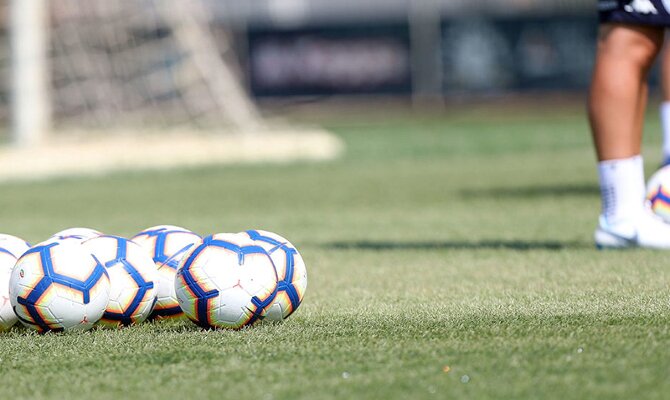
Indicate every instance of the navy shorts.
{"type": "Point", "coordinates": [637, 12]}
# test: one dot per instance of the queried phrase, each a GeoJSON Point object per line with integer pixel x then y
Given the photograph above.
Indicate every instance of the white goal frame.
{"type": "Point", "coordinates": [30, 105]}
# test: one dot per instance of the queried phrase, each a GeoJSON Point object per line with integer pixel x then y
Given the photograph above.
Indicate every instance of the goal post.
{"type": "Point", "coordinates": [31, 110]}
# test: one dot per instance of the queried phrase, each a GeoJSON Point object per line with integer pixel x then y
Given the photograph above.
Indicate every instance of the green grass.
{"type": "Point", "coordinates": [459, 240]}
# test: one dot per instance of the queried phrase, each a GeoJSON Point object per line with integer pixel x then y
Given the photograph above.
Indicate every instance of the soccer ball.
{"type": "Point", "coordinates": [74, 234]}
{"type": "Point", "coordinates": [226, 282]}
{"type": "Point", "coordinates": [167, 245]}
{"type": "Point", "coordinates": [58, 287]}
{"type": "Point", "coordinates": [133, 278]}
{"type": "Point", "coordinates": [658, 193]}
{"type": "Point", "coordinates": [291, 273]}
{"type": "Point", "coordinates": [13, 245]}
{"type": "Point", "coordinates": [7, 316]}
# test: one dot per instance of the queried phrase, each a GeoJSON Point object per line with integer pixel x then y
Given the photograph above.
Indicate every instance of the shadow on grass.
{"type": "Point", "coordinates": [518, 245]}
{"type": "Point", "coordinates": [536, 191]}
{"type": "Point", "coordinates": [476, 324]}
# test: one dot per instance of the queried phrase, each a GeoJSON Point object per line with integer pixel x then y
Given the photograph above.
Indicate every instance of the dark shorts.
{"type": "Point", "coordinates": [637, 12]}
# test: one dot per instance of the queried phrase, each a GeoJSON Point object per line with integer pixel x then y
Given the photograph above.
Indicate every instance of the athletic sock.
{"type": "Point", "coordinates": [665, 125]}
{"type": "Point", "coordinates": [622, 189]}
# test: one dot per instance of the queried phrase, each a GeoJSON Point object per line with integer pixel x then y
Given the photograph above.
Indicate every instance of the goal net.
{"type": "Point", "coordinates": [143, 63]}
{"type": "Point", "coordinates": [129, 69]}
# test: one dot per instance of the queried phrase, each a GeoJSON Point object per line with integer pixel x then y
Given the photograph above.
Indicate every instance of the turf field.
{"type": "Point", "coordinates": [449, 256]}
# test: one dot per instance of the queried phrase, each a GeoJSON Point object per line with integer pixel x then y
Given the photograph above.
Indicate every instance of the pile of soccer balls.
{"type": "Point", "coordinates": [80, 278]}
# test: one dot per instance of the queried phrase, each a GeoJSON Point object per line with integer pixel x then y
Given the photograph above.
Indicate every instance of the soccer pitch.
{"type": "Point", "coordinates": [448, 256]}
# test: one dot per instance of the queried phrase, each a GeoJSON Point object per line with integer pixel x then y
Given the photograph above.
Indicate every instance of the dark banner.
{"type": "Point", "coordinates": [326, 61]}
{"type": "Point", "coordinates": [518, 53]}
{"type": "Point", "coordinates": [478, 55]}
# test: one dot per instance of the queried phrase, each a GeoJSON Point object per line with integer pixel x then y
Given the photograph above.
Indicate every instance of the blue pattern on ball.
{"type": "Point", "coordinates": [51, 277]}
{"type": "Point", "coordinates": [142, 285]}
{"type": "Point", "coordinates": [202, 296]}
{"type": "Point", "coordinates": [285, 285]}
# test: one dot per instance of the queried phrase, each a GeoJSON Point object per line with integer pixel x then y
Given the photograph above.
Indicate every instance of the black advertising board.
{"type": "Point", "coordinates": [331, 60]}
{"type": "Point", "coordinates": [518, 53]}
{"type": "Point", "coordinates": [480, 55]}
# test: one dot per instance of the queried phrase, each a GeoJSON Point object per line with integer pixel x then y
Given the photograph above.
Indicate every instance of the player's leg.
{"type": "Point", "coordinates": [618, 89]}
{"type": "Point", "coordinates": [616, 110]}
{"type": "Point", "coordinates": [665, 106]}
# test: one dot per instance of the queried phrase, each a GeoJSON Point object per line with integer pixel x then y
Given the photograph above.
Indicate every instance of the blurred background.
{"type": "Point", "coordinates": [166, 63]}
{"type": "Point", "coordinates": [404, 47]}
{"type": "Point", "coordinates": [453, 233]}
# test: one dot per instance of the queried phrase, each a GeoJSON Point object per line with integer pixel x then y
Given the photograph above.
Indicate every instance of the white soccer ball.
{"type": "Point", "coordinates": [59, 287]}
{"type": "Point", "coordinates": [658, 193]}
{"type": "Point", "coordinates": [7, 316]}
{"type": "Point", "coordinates": [13, 245]}
{"type": "Point", "coordinates": [226, 282]}
{"type": "Point", "coordinates": [291, 273]}
{"type": "Point", "coordinates": [133, 278]}
{"type": "Point", "coordinates": [167, 245]}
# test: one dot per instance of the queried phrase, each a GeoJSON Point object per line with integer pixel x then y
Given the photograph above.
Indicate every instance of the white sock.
{"type": "Point", "coordinates": [665, 125]}
{"type": "Point", "coordinates": [622, 189]}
